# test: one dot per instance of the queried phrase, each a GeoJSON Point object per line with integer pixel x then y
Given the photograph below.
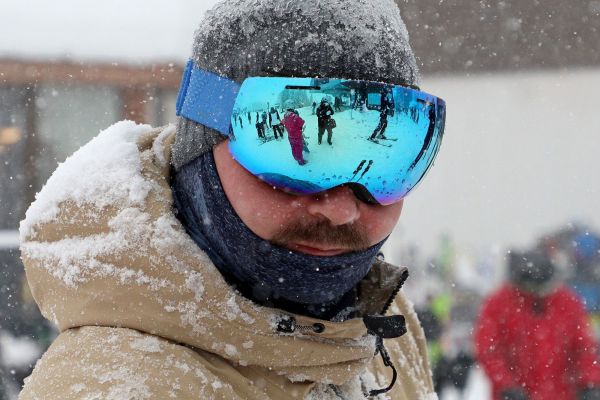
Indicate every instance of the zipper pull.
{"type": "Point", "coordinates": [383, 327]}
{"type": "Point", "coordinates": [387, 361]}
{"type": "Point", "coordinates": [287, 324]}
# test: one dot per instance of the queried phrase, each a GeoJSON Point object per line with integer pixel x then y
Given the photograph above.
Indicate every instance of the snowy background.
{"type": "Point", "coordinates": [519, 158]}
{"type": "Point", "coordinates": [134, 31]}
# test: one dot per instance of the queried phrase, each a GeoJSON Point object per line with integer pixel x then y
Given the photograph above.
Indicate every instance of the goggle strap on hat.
{"type": "Point", "coordinates": [207, 98]}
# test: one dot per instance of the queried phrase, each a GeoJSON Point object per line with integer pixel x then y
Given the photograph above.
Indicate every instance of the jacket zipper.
{"type": "Point", "coordinates": [403, 279]}
{"type": "Point", "coordinates": [287, 324]}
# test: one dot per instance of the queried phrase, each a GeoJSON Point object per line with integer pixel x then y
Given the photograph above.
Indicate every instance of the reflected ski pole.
{"type": "Point", "coordinates": [357, 170]}
{"type": "Point", "coordinates": [366, 170]}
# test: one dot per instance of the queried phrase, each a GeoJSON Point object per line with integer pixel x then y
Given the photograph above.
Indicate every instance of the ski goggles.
{"type": "Point", "coordinates": [309, 135]}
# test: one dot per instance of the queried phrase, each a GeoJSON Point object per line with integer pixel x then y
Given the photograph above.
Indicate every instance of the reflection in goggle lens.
{"type": "Point", "coordinates": [310, 135]}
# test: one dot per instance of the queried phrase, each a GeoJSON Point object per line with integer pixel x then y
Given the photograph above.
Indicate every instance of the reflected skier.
{"type": "Point", "coordinates": [293, 124]}
{"type": "Point", "coordinates": [324, 113]}
{"type": "Point", "coordinates": [264, 119]}
{"type": "Point", "coordinates": [275, 123]}
{"type": "Point", "coordinates": [260, 129]}
{"type": "Point", "coordinates": [338, 104]}
{"type": "Point", "coordinates": [386, 106]}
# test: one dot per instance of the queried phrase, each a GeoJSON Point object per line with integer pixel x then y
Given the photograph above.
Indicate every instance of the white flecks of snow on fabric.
{"type": "Point", "coordinates": [367, 38]}
{"type": "Point", "coordinates": [83, 177]}
{"type": "Point", "coordinates": [231, 350]}
{"type": "Point", "coordinates": [78, 387]}
{"type": "Point", "coordinates": [233, 312]}
{"type": "Point", "coordinates": [355, 389]}
{"type": "Point", "coordinates": [76, 259]}
{"type": "Point", "coordinates": [195, 283]}
{"type": "Point", "coordinates": [158, 146]}
{"type": "Point", "coordinates": [125, 383]}
{"type": "Point", "coordinates": [148, 344]}
{"type": "Point", "coordinates": [364, 16]}
{"type": "Point", "coordinates": [352, 390]}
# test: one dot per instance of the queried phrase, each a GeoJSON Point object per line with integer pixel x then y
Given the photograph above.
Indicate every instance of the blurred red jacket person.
{"type": "Point", "coordinates": [540, 343]}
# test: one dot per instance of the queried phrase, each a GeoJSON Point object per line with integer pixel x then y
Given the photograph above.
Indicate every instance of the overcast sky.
{"type": "Point", "coordinates": [107, 30]}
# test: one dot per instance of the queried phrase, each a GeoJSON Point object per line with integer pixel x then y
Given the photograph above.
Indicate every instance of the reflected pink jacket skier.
{"type": "Point", "coordinates": [293, 124]}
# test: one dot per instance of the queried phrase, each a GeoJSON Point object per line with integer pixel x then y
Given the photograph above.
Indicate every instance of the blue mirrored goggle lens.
{"type": "Point", "coordinates": [310, 135]}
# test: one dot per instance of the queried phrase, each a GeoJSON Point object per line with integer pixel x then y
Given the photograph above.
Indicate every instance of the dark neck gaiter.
{"type": "Point", "coordinates": [268, 274]}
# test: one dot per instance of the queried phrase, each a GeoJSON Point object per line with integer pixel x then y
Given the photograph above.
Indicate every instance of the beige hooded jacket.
{"type": "Point", "coordinates": [144, 314]}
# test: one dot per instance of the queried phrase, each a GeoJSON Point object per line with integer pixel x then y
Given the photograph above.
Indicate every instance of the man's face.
{"type": "Point", "coordinates": [326, 224]}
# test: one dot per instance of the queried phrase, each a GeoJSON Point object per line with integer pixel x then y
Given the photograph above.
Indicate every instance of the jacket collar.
{"type": "Point", "coordinates": [382, 283]}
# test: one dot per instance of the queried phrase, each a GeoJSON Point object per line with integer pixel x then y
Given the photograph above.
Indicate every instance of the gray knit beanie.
{"type": "Point", "coordinates": [352, 39]}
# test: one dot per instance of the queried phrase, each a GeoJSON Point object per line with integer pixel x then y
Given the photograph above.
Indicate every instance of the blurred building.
{"type": "Point", "coordinates": [506, 35]}
{"type": "Point", "coordinates": [47, 111]}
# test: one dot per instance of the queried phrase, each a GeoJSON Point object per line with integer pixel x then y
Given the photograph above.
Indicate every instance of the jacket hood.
{"type": "Point", "coordinates": [102, 247]}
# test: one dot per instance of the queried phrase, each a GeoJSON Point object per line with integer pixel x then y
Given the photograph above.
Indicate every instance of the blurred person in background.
{"type": "Point", "coordinates": [533, 338]}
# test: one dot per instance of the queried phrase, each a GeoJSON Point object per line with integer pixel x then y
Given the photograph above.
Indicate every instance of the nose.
{"type": "Point", "coordinates": [338, 205]}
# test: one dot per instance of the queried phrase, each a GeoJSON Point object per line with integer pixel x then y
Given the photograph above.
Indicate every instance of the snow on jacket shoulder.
{"type": "Point", "coordinates": [144, 314]}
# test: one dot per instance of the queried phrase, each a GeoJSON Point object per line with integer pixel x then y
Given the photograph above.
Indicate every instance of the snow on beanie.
{"type": "Point", "coordinates": [353, 39]}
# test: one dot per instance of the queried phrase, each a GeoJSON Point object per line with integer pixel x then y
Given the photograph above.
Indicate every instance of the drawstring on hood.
{"type": "Point", "coordinates": [387, 361]}
{"type": "Point", "coordinates": [385, 328]}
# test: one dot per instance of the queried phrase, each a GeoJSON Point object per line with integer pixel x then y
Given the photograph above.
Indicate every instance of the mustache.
{"type": "Point", "coordinates": [347, 236]}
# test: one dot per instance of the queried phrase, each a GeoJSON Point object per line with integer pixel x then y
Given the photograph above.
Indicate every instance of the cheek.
{"type": "Point", "coordinates": [380, 221]}
{"type": "Point", "coordinates": [262, 209]}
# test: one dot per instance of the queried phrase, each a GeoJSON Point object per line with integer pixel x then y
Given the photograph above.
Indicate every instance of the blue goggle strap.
{"type": "Point", "coordinates": [207, 98]}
